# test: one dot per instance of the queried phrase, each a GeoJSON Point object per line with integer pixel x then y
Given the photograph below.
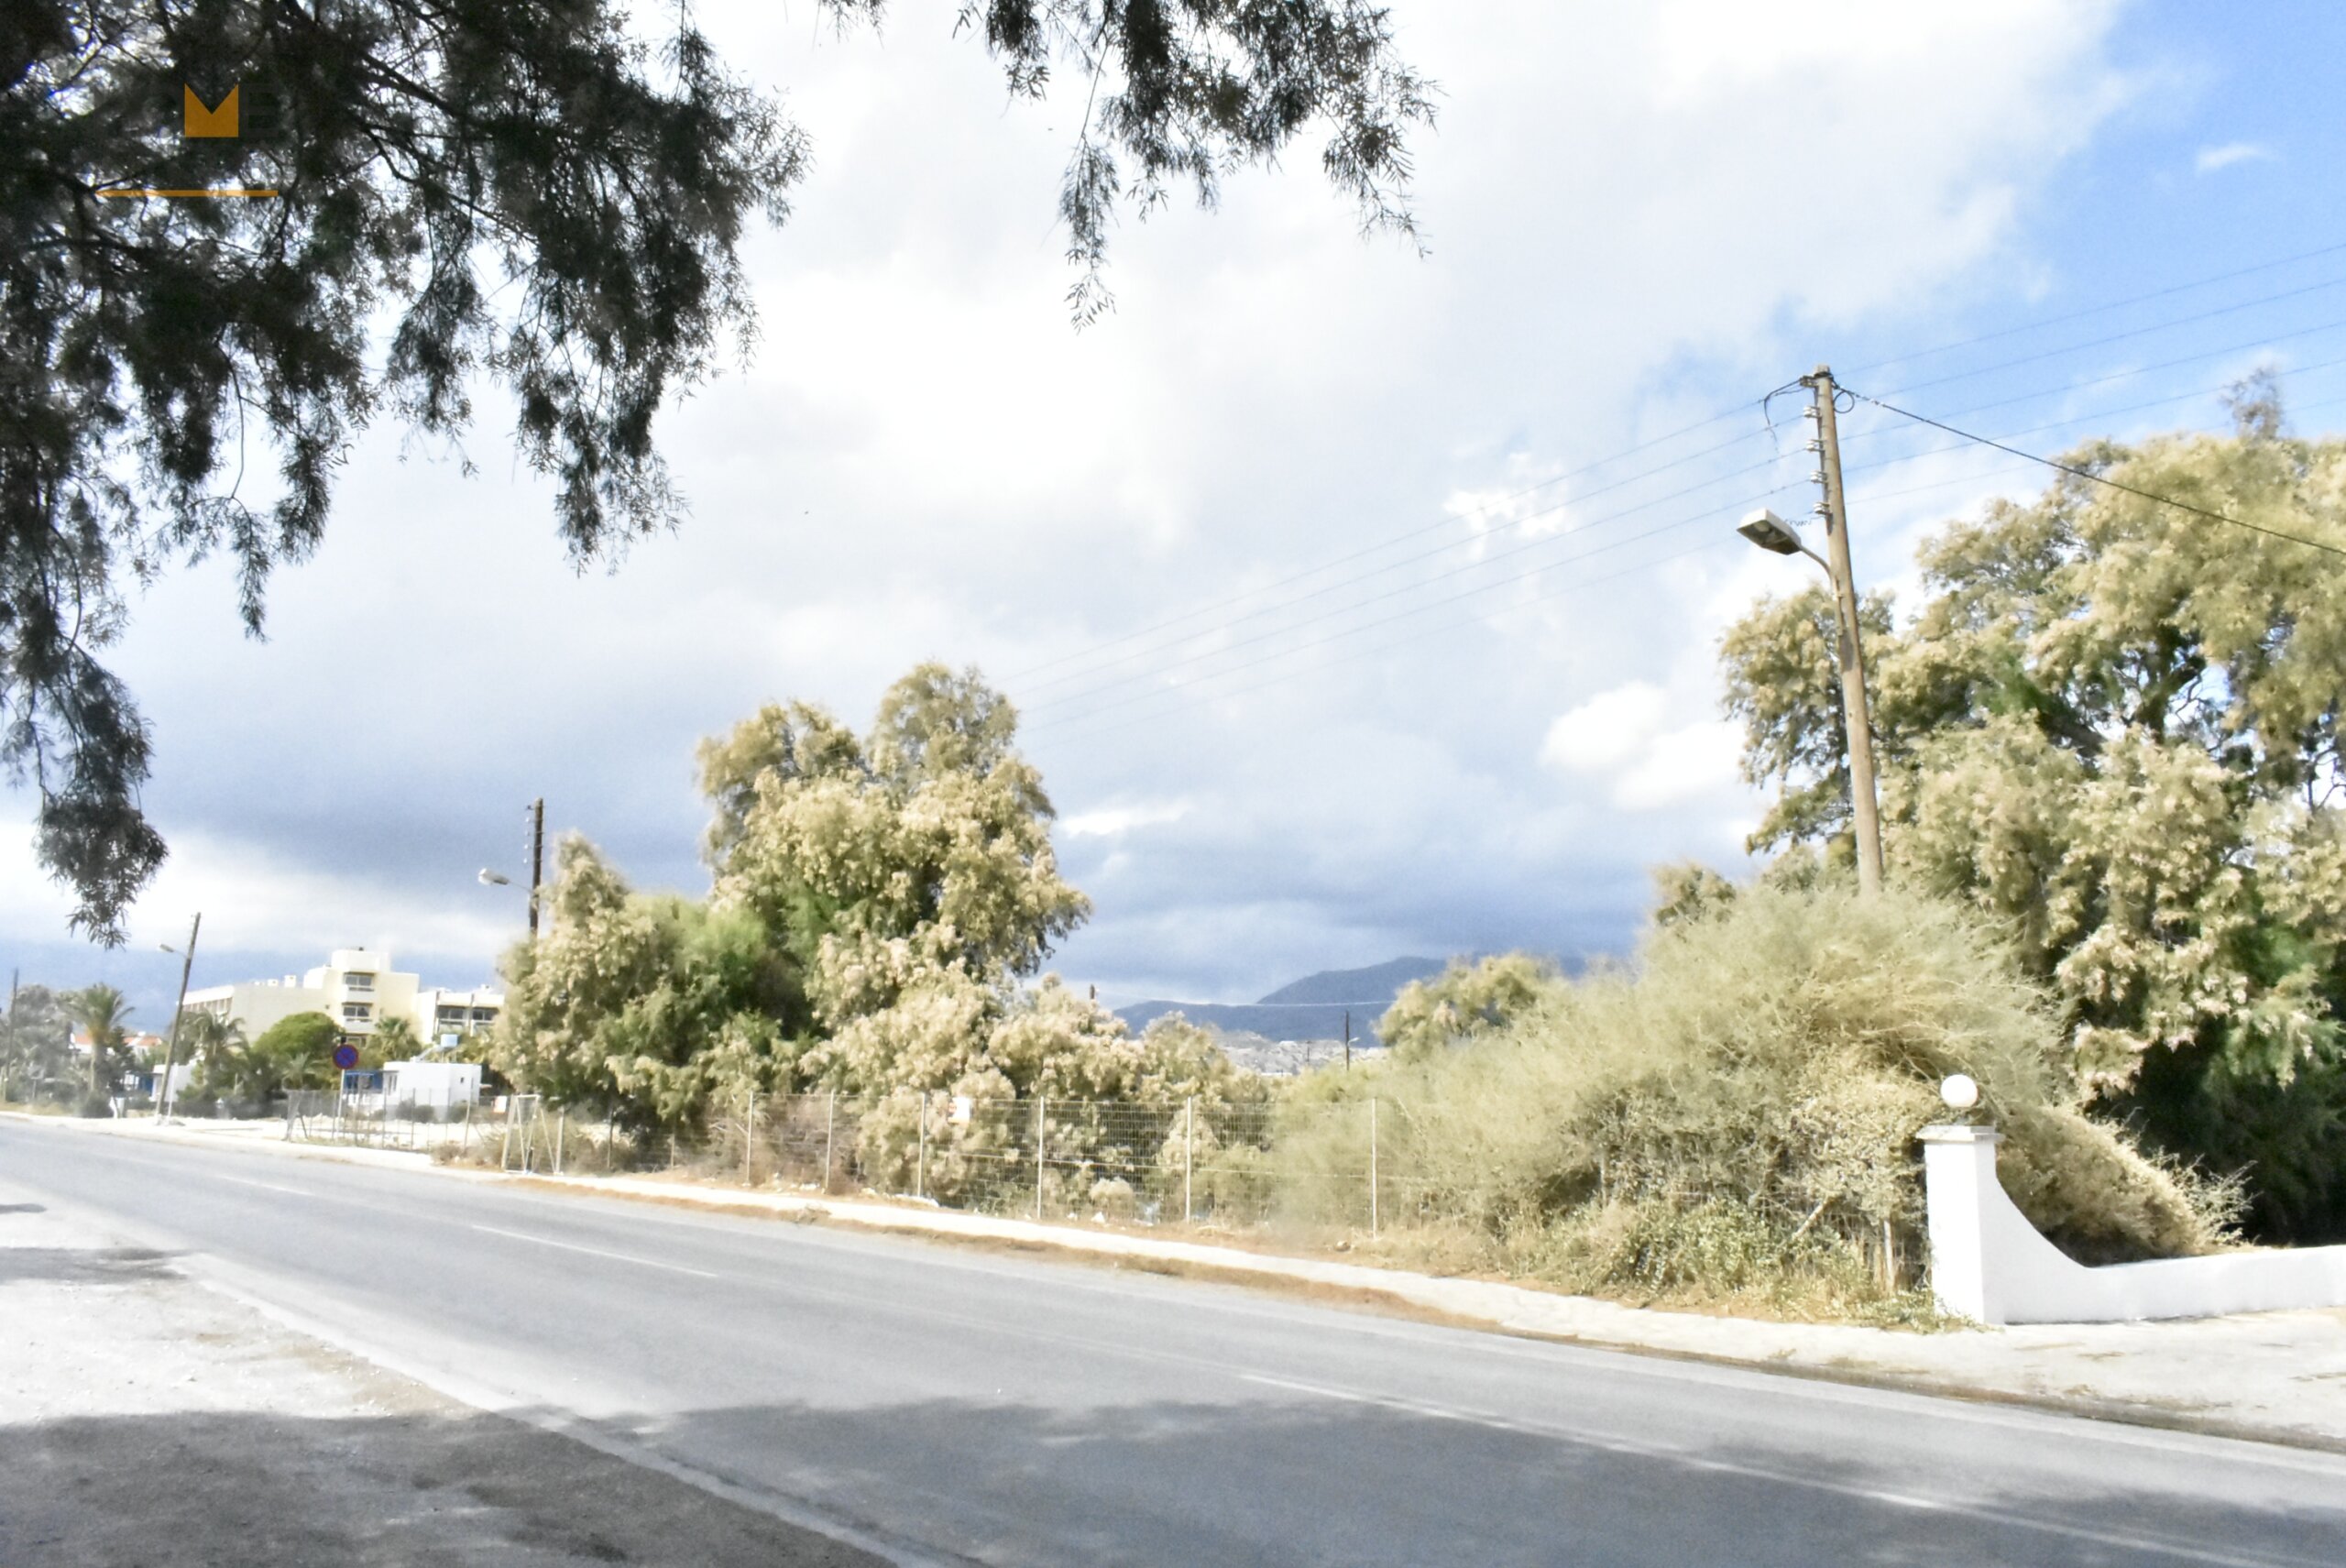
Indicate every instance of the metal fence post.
{"type": "Point", "coordinates": [920, 1171]}
{"type": "Point", "coordinates": [830, 1134]}
{"type": "Point", "coordinates": [1189, 1156]}
{"type": "Point", "coordinates": [1372, 1168]}
{"type": "Point", "coordinates": [561, 1133]}
{"type": "Point", "coordinates": [1042, 1110]}
{"type": "Point", "coordinates": [749, 1137]}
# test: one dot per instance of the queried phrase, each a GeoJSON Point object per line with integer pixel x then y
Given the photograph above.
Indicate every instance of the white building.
{"type": "Point", "coordinates": [430, 1085]}
{"type": "Point", "coordinates": [358, 989]}
{"type": "Point", "coordinates": [440, 1011]}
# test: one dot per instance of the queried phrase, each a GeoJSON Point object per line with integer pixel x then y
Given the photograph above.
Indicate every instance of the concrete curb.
{"type": "Point", "coordinates": [2246, 1383]}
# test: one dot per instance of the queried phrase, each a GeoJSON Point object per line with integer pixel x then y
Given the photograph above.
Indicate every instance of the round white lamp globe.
{"type": "Point", "coordinates": [1960, 1091]}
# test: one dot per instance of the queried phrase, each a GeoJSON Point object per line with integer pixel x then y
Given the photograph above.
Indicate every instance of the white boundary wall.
{"type": "Point", "coordinates": [1990, 1264]}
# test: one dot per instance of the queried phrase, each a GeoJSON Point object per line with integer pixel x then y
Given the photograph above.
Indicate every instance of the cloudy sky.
{"type": "Point", "coordinates": [1358, 604]}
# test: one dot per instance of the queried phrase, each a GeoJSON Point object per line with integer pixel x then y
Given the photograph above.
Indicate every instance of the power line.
{"type": "Point", "coordinates": [2073, 386]}
{"type": "Point", "coordinates": [1082, 694]}
{"type": "Point", "coordinates": [1706, 514]}
{"type": "Point", "coordinates": [1196, 699]}
{"type": "Point", "coordinates": [1102, 688]}
{"type": "Point", "coordinates": [1387, 543]}
{"type": "Point", "coordinates": [2122, 336]}
{"type": "Point", "coordinates": [2104, 480]}
{"type": "Point", "coordinates": [2083, 418]}
{"type": "Point", "coordinates": [1443, 549]}
{"type": "Point", "coordinates": [1087, 690]}
{"type": "Point", "coordinates": [2263, 341]}
{"type": "Point", "coordinates": [2100, 310]}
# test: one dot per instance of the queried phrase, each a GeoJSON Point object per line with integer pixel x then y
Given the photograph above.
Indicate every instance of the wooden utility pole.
{"type": "Point", "coordinates": [537, 858]}
{"type": "Point", "coordinates": [1864, 810]}
{"type": "Point", "coordinates": [171, 1056]}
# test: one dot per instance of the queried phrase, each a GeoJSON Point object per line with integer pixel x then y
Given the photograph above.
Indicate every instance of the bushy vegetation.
{"type": "Point", "coordinates": [2112, 728]}
{"type": "Point", "coordinates": [1735, 1115]}
{"type": "Point", "coordinates": [881, 907]}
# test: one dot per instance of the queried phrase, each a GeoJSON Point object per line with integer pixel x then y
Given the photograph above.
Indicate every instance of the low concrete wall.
{"type": "Point", "coordinates": [1989, 1263]}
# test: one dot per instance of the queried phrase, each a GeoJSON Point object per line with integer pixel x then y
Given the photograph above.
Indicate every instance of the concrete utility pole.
{"type": "Point", "coordinates": [1864, 810]}
{"type": "Point", "coordinates": [171, 1056]}
{"type": "Point", "coordinates": [538, 851]}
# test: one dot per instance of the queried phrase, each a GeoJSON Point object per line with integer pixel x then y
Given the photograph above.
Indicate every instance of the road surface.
{"type": "Point", "coordinates": [954, 1405]}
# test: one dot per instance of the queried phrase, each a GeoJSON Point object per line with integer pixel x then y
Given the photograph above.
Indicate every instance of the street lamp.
{"type": "Point", "coordinates": [537, 863]}
{"type": "Point", "coordinates": [1773, 534]}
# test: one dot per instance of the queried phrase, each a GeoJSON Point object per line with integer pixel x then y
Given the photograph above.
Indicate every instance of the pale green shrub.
{"type": "Point", "coordinates": [1738, 1111]}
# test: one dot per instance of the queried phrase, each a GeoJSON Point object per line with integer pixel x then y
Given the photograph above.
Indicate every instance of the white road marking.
{"type": "Point", "coordinates": [264, 1186]}
{"type": "Point", "coordinates": [599, 1252]}
{"type": "Point", "coordinates": [2122, 1542]}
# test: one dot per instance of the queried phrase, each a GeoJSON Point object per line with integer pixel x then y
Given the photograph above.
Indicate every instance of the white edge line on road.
{"type": "Point", "coordinates": [1786, 1478]}
{"type": "Point", "coordinates": [264, 1186]}
{"type": "Point", "coordinates": [599, 1252]}
{"type": "Point", "coordinates": [497, 1401]}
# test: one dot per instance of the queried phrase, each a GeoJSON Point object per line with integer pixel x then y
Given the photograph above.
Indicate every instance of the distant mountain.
{"type": "Point", "coordinates": [1379, 984]}
{"type": "Point", "coordinates": [1313, 1008]}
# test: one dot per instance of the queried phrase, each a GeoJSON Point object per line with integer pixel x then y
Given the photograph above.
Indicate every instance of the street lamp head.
{"type": "Point", "coordinates": [494, 879]}
{"type": "Point", "coordinates": [166, 946]}
{"type": "Point", "coordinates": [1771, 532]}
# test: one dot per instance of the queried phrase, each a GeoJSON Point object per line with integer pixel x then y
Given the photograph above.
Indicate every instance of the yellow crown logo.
{"type": "Point", "coordinates": [203, 122]}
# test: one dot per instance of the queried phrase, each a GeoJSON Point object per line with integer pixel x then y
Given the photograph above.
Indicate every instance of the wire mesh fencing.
{"type": "Point", "coordinates": [1191, 1161]}
{"type": "Point", "coordinates": [1205, 1162]}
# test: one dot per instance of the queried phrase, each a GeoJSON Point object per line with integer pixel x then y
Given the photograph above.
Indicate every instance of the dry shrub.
{"type": "Point", "coordinates": [1734, 1117]}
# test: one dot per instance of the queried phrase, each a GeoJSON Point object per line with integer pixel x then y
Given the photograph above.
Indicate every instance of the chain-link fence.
{"type": "Point", "coordinates": [1198, 1161]}
{"type": "Point", "coordinates": [1204, 1162]}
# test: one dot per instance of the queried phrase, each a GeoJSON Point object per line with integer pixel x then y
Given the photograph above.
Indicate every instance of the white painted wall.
{"type": "Point", "coordinates": [437, 1085]}
{"type": "Point", "coordinates": [1990, 1264]}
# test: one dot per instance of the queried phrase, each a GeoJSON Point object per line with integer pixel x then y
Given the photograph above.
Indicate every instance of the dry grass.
{"type": "Point", "coordinates": [1732, 1122]}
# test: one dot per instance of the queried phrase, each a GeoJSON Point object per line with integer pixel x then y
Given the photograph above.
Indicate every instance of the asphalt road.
{"type": "Point", "coordinates": [958, 1406]}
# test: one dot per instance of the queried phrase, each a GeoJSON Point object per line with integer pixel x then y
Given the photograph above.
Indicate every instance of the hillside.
{"type": "Point", "coordinates": [1312, 1008]}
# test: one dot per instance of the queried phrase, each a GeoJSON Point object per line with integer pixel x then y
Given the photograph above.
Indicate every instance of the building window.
{"type": "Point", "coordinates": [357, 981]}
{"type": "Point", "coordinates": [356, 1011]}
{"type": "Point", "coordinates": [484, 1014]}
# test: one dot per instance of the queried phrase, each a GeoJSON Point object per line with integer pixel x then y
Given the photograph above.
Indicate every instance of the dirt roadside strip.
{"type": "Point", "coordinates": [2272, 1376]}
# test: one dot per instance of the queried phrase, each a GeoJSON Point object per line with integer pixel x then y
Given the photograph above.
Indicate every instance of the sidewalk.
{"type": "Point", "coordinates": [2275, 1376]}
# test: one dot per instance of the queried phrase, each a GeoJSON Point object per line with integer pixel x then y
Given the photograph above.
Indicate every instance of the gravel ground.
{"type": "Point", "coordinates": [146, 1420]}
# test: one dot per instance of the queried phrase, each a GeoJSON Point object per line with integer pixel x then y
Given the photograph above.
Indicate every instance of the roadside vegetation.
{"type": "Point", "coordinates": [2118, 901]}
{"type": "Point", "coordinates": [2111, 730]}
{"type": "Point", "coordinates": [1731, 1118]}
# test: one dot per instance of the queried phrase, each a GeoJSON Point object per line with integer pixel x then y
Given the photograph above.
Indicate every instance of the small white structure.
{"type": "Point", "coordinates": [1990, 1264]}
{"type": "Point", "coordinates": [430, 1085]}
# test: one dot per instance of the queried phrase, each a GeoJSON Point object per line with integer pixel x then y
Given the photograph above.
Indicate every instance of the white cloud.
{"type": "Point", "coordinates": [2211, 158]}
{"type": "Point", "coordinates": [253, 900]}
{"type": "Point", "coordinates": [1113, 821]}
{"type": "Point", "coordinates": [1605, 733]}
{"type": "Point", "coordinates": [1624, 736]}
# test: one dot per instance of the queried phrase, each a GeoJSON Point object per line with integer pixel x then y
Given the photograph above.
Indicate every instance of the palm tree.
{"type": "Point", "coordinates": [395, 1039]}
{"type": "Point", "coordinates": [103, 1013]}
{"type": "Point", "coordinates": [215, 1048]}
